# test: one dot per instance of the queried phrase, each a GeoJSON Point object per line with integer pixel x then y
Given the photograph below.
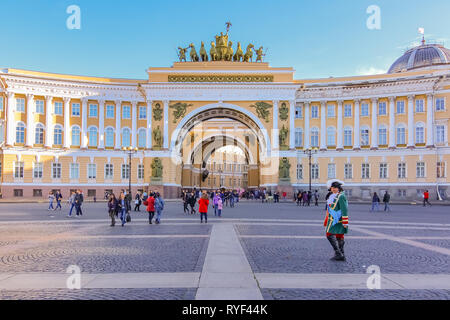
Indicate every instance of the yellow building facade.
{"type": "Point", "coordinates": [375, 133]}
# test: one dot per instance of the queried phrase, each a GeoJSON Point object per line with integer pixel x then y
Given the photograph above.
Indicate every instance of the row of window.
{"type": "Point", "coordinates": [365, 171]}
{"type": "Point", "coordinates": [365, 109]}
{"type": "Point", "coordinates": [74, 171]}
{"type": "Point", "coordinates": [365, 135]}
{"type": "Point", "coordinates": [232, 182]}
{"type": "Point", "coordinates": [232, 167]}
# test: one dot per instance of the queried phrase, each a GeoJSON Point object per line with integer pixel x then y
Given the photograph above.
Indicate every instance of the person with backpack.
{"type": "Point", "coordinates": [112, 208]}
{"type": "Point", "coordinates": [159, 207]}
{"type": "Point", "coordinates": [203, 207]}
{"type": "Point", "coordinates": [150, 203]}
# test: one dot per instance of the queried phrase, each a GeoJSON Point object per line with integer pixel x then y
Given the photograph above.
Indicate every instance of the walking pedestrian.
{"type": "Point", "coordinates": [58, 198]}
{"type": "Point", "coordinates": [336, 221]}
{"type": "Point", "coordinates": [386, 200]}
{"type": "Point", "coordinates": [219, 207]}
{"type": "Point", "coordinates": [159, 207]}
{"type": "Point", "coordinates": [51, 198]}
{"type": "Point", "coordinates": [299, 198]}
{"type": "Point", "coordinates": [203, 207]}
{"type": "Point", "coordinates": [124, 208]}
{"type": "Point", "coordinates": [185, 197]}
{"type": "Point", "coordinates": [137, 202]}
{"type": "Point", "coordinates": [112, 208]}
{"type": "Point", "coordinates": [216, 203]}
{"type": "Point", "coordinates": [426, 196]}
{"type": "Point", "coordinates": [78, 203]}
{"type": "Point", "coordinates": [305, 198]}
{"type": "Point", "coordinates": [192, 201]}
{"type": "Point", "coordinates": [375, 202]}
{"type": "Point", "coordinates": [316, 198]}
{"type": "Point", "coordinates": [150, 203]}
{"type": "Point", "coordinates": [71, 202]}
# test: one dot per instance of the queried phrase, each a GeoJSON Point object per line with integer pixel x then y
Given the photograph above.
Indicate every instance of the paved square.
{"type": "Point", "coordinates": [255, 251]}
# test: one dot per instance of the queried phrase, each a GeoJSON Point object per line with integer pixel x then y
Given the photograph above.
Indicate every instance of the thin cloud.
{"type": "Point", "coordinates": [368, 71]}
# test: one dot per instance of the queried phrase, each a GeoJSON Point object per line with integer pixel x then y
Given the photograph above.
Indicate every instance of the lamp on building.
{"type": "Point", "coordinates": [130, 151]}
{"type": "Point", "coordinates": [310, 152]}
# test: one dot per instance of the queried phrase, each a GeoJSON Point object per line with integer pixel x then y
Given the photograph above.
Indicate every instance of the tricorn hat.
{"type": "Point", "coordinates": [334, 183]}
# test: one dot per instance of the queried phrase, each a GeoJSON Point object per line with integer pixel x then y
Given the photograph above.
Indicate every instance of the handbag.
{"type": "Point", "coordinates": [128, 217]}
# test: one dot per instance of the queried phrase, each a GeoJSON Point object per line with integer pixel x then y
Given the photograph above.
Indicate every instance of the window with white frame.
{"type": "Point", "coordinates": [20, 105]}
{"type": "Point", "coordinates": [299, 172]}
{"type": "Point", "coordinates": [315, 171]}
{"type": "Point", "coordinates": [74, 171]}
{"type": "Point", "coordinates": [440, 104]}
{"type": "Point", "coordinates": [440, 169]}
{"type": "Point", "coordinates": [142, 138]}
{"type": "Point", "coordinates": [39, 134]}
{"type": "Point", "coordinates": [331, 111]}
{"type": "Point", "coordinates": [400, 107]}
{"type": "Point", "coordinates": [420, 133]}
{"type": "Point", "coordinates": [20, 133]}
{"type": "Point", "coordinates": [382, 109]}
{"type": "Point", "coordinates": [348, 171]}
{"type": "Point", "coordinates": [298, 137]}
{"type": "Point", "coordinates": [420, 105]}
{"type": "Point", "coordinates": [109, 171]}
{"type": "Point", "coordinates": [348, 139]}
{"type": "Point", "coordinates": [314, 137]}
{"type": "Point", "coordinates": [364, 110]}
{"type": "Point", "coordinates": [382, 136]}
{"type": "Point", "coordinates": [298, 112]}
{"type": "Point", "coordinates": [365, 137]}
{"type": "Point", "coordinates": [125, 171]}
{"type": "Point", "coordinates": [142, 112]}
{"type": "Point", "coordinates": [39, 106]}
{"type": "Point", "coordinates": [57, 135]}
{"type": "Point", "coordinates": [331, 171]}
{"type": "Point", "coordinates": [401, 135]}
{"type": "Point", "coordinates": [92, 171]}
{"type": "Point", "coordinates": [314, 112]}
{"type": "Point", "coordinates": [140, 171]}
{"type": "Point", "coordinates": [93, 111]}
{"type": "Point", "coordinates": [38, 170]}
{"type": "Point", "coordinates": [383, 170]}
{"type": "Point", "coordinates": [420, 170]}
{"type": "Point", "coordinates": [365, 171]}
{"type": "Point", "coordinates": [56, 170]}
{"type": "Point", "coordinates": [440, 134]}
{"type": "Point", "coordinates": [18, 169]}
{"type": "Point", "coordinates": [126, 137]}
{"type": "Point", "coordinates": [109, 111]}
{"type": "Point", "coordinates": [75, 109]}
{"type": "Point", "coordinates": [348, 111]}
{"type": "Point", "coordinates": [401, 171]}
{"type": "Point", "coordinates": [76, 136]}
{"type": "Point", "coordinates": [109, 137]}
{"type": "Point", "coordinates": [126, 112]}
{"type": "Point", "coordinates": [58, 108]}
{"type": "Point", "coordinates": [331, 136]}
{"type": "Point", "coordinates": [93, 135]}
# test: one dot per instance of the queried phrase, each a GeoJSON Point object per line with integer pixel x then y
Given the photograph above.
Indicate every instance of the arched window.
{"type": "Point", "coordinates": [39, 134]}
{"type": "Point", "coordinates": [382, 135]}
{"type": "Point", "coordinates": [298, 137]}
{"type": "Point", "coordinates": [401, 134]}
{"type": "Point", "coordinates": [331, 136]}
{"type": "Point", "coordinates": [76, 136]}
{"type": "Point", "coordinates": [142, 137]}
{"type": "Point", "coordinates": [92, 136]}
{"type": "Point", "coordinates": [57, 135]}
{"type": "Point", "coordinates": [109, 137]}
{"type": "Point", "coordinates": [126, 137]}
{"type": "Point", "coordinates": [365, 136]}
{"type": "Point", "coordinates": [420, 133]}
{"type": "Point", "coordinates": [348, 137]}
{"type": "Point", "coordinates": [314, 137]}
{"type": "Point", "coordinates": [20, 133]}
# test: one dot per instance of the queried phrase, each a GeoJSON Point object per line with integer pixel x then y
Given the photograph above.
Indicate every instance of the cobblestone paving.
{"type": "Point", "coordinates": [101, 294]}
{"type": "Point", "coordinates": [145, 229]}
{"type": "Point", "coordinates": [439, 243]}
{"type": "Point", "coordinates": [285, 230]}
{"type": "Point", "coordinates": [321, 294]}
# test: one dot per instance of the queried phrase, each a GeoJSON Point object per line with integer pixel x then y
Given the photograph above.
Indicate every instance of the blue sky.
{"type": "Point", "coordinates": [121, 38]}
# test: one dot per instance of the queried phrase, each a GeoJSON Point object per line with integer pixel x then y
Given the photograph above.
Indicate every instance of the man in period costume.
{"type": "Point", "coordinates": [336, 221]}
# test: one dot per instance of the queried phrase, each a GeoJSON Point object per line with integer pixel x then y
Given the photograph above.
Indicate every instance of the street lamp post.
{"type": "Point", "coordinates": [310, 152]}
{"type": "Point", "coordinates": [130, 151]}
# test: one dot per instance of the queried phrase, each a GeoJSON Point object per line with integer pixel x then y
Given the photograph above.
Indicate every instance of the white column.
{"type": "Point", "coordinates": [430, 120]}
{"type": "Point", "coordinates": [149, 124]}
{"type": "Point", "coordinates": [31, 109]}
{"type": "Point", "coordinates": [166, 125]}
{"type": "Point", "coordinates": [48, 122]}
{"type": "Point", "coordinates": [84, 133]}
{"type": "Point", "coordinates": [11, 122]}
{"type": "Point", "coordinates": [374, 144]}
{"type": "Point", "coordinates": [410, 121]}
{"type": "Point", "coordinates": [101, 124]}
{"type": "Point", "coordinates": [291, 124]}
{"type": "Point", "coordinates": [118, 124]}
{"type": "Point", "coordinates": [357, 129]}
{"type": "Point", "coordinates": [67, 135]}
{"type": "Point", "coordinates": [391, 122]}
{"type": "Point", "coordinates": [307, 140]}
{"type": "Point", "coordinates": [323, 129]}
{"type": "Point", "coordinates": [340, 128]}
{"type": "Point", "coordinates": [133, 123]}
{"type": "Point", "coordinates": [275, 131]}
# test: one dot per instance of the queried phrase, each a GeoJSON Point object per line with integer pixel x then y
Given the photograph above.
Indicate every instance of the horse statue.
{"type": "Point", "coordinates": [239, 53]}
{"type": "Point", "coordinates": [194, 56]}
{"type": "Point", "coordinates": [213, 52]}
{"type": "Point", "coordinates": [229, 54]}
{"type": "Point", "coordinates": [203, 54]}
{"type": "Point", "coordinates": [249, 53]}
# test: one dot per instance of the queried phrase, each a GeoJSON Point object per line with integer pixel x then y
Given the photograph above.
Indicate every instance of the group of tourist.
{"type": "Point", "coordinates": [304, 198]}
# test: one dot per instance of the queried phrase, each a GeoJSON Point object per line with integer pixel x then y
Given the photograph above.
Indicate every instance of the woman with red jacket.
{"type": "Point", "coordinates": [150, 203]}
{"type": "Point", "coordinates": [203, 209]}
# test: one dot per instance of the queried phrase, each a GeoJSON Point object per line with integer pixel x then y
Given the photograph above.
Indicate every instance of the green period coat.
{"type": "Point", "coordinates": [339, 203]}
